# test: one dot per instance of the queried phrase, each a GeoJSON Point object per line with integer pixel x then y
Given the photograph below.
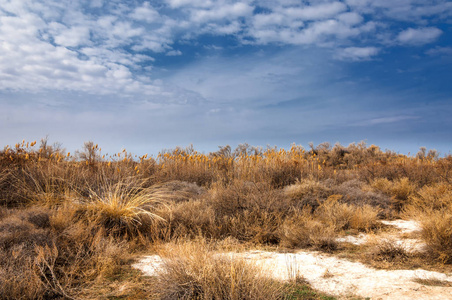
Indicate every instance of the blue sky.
{"type": "Point", "coordinates": [149, 75]}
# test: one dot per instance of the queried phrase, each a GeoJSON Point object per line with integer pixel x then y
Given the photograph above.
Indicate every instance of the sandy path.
{"type": "Point", "coordinates": [337, 276]}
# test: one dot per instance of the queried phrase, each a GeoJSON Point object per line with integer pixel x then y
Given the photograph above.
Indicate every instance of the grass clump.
{"type": "Point", "coordinates": [125, 207]}
{"type": "Point", "coordinates": [193, 271]}
{"type": "Point", "coordinates": [437, 234]}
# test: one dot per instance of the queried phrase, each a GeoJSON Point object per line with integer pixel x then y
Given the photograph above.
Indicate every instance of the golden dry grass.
{"type": "Point", "coordinates": [71, 221]}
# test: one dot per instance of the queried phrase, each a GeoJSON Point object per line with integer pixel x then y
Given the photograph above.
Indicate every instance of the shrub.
{"type": "Point", "coordinates": [437, 234]}
{"type": "Point", "coordinates": [400, 190]}
{"type": "Point", "coordinates": [192, 271]}
{"type": "Point", "coordinates": [307, 192]}
{"type": "Point", "coordinates": [432, 197]}
{"type": "Point", "coordinates": [389, 251]}
{"type": "Point", "coordinates": [303, 230]}
{"type": "Point", "coordinates": [343, 216]}
{"type": "Point", "coordinates": [353, 192]}
{"type": "Point", "coordinates": [187, 220]}
{"type": "Point", "coordinates": [46, 255]}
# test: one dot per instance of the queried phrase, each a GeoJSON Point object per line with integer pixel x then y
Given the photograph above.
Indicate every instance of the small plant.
{"type": "Point", "coordinates": [125, 206]}
{"type": "Point", "coordinates": [390, 251]}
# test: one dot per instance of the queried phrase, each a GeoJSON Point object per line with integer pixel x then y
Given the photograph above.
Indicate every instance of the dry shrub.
{"type": "Point", "coordinates": [182, 190]}
{"type": "Point", "coordinates": [303, 230]}
{"type": "Point", "coordinates": [52, 254]}
{"type": "Point", "coordinates": [320, 228]}
{"type": "Point", "coordinates": [176, 165]}
{"type": "Point", "coordinates": [248, 211]}
{"type": "Point", "coordinates": [400, 190]}
{"type": "Point", "coordinates": [92, 258]}
{"type": "Point", "coordinates": [187, 220]}
{"type": "Point", "coordinates": [437, 234]}
{"type": "Point", "coordinates": [307, 192]}
{"type": "Point", "coordinates": [258, 226]}
{"type": "Point", "coordinates": [343, 216]}
{"type": "Point", "coordinates": [244, 210]}
{"type": "Point", "coordinates": [383, 185]}
{"type": "Point", "coordinates": [18, 233]}
{"type": "Point", "coordinates": [245, 195]}
{"type": "Point", "coordinates": [432, 197]}
{"type": "Point", "coordinates": [192, 271]}
{"type": "Point", "coordinates": [354, 192]}
{"type": "Point", "coordinates": [19, 238]}
{"type": "Point", "coordinates": [7, 188]}
{"type": "Point", "coordinates": [18, 277]}
{"type": "Point", "coordinates": [389, 251]}
{"type": "Point", "coordinates": [282, 174]}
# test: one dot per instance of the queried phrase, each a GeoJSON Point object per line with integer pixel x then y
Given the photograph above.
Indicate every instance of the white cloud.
{"type": "Point", "coordinates": [387, 120]}
{"type": "Point", "coordinates": [440, 51]}
{"type": "Point", "coordinates": [350, 18]}
{"type": "Point", "coordinates": [194, 3]}
{"type": "Point", "coordinates": [406, 10]}
{"type": "Point", "coordinates": [228, 11]}
{"type": "Point", "coordinates": [317, 12]}
{"type": "Point", "coordinates": [73, 37]}
{"type": "Point", "coordinates": [145, 13]}
{"type": "Point", "coordinates": [419, 36]}
{"type": "Point", "coordinates": [173, 53]}
{"type": "Point", "coordinates": [357, 53]}
{"type": "Point", "coordinates": [103, 46]}
{"type": "Point", "coordinates": [272, 19]}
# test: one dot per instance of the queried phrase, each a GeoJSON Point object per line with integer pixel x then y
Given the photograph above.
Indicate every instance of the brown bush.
{"type": "Point", "coordinates": [192, 271]}
{"type": "Point", "coordinates": [437, 234]}
{"type": "Point", "coordinates": [308, 193]}
{"type": "Point", "coordinates": [432, 197]}
{"type": "Point", "coordinates": [342, 216]}
{"type": "Point", "coordinates": [302, 229]}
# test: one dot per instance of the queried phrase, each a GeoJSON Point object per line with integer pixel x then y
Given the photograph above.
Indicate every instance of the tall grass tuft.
{"type": "Point", "coordinates": [125, 207]}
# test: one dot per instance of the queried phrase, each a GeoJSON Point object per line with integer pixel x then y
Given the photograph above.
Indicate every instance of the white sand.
{"type": "Point", "coordinates": [338, 276]}
{"type": "Point", "coordinates": [335, 276]}
{"type": "Point", "coordinates": [404, 226]}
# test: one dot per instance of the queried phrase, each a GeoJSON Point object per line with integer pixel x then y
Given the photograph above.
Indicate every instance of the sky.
{"type": "Point", "coordinates": [154, 75]}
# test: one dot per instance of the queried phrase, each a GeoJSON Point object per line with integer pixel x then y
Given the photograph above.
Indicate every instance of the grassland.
{"type": "Point", "coordinates": [70, 225]}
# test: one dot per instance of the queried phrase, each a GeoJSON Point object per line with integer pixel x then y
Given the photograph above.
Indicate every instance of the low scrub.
{"type": "Point", "coordinates": [304, 230]}
{"type": "Point", "coordinates": [437, 234]}
{"type": "Point", "coordinates": [193, 271]}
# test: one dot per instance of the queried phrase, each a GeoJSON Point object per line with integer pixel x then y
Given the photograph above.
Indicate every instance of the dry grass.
{"type": "Point", "coordinates": [343, 216]}
{"type": "Point", "coordinates": [389, 251]}
{"type": "Point", "coordinates": [437, 234]}
{"type": "Point", "coordinates": [71, 222]}
{"type": "Point", "coordinates": [192, 271]}
{"type": "Point", "coordinates": [304, 230]}
{"type": "Point", "coordinates": [126, 206]}
{"type": "Point", "coordinates": [433, 282]}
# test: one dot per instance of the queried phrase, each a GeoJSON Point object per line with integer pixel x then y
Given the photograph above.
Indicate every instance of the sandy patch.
{"type": "Point", "coordinates": [339, 276]}
{"type": "Point", "coordinates": [405, 226]}
{"type": "Point", "coordinates": [335, 276]}
{"type": "Point", "coordinates": [355, 240]}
